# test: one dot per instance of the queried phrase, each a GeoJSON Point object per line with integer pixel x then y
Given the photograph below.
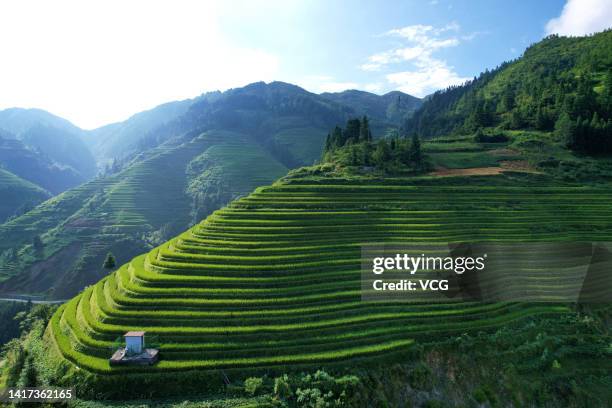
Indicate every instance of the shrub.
{"type": "Point", "coordinates": [253, 385]}
{"type": "Point", "coordinates": [282, 387]}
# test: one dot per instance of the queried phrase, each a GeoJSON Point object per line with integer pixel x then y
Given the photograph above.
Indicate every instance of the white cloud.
{"type": "Point", "coordinates": [426, 72]}
{"type": "Point", "coordinates": [580, 17]}
{"type": "Point", "coordinates": [430, 75]}
{"type": "Point", "coordinates": [98, 62]}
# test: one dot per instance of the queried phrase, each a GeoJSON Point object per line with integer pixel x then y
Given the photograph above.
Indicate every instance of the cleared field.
{"type": "Point", "coordinates": [273, 278]}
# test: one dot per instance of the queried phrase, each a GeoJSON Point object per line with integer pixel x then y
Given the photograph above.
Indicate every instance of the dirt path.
{"type": "Point", "coordinates": [476, 171]}
{"type": "Point", "coordinates": [507, 165]}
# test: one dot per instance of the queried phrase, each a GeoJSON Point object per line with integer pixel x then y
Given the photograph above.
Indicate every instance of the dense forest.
{"type": "Point", "coordinates": [560, 84]}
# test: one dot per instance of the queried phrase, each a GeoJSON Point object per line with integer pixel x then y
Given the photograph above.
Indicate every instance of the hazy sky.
{"type": "Point", "coordinates": [96, 62]}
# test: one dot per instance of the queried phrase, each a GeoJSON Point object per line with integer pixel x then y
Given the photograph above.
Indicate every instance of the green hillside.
{"type": "Point", "coordinates": [386, 111]}
{"type": "Point", "coordinates": [120, 139]}
{"type": "Point", "coordinates": [32, 165]}
{"type": "Point", "coordinates": [18, 195]}
{"type": "Point", "coordinates": [157, 196]}
{"type": "Point", "coordinates": [55, 139]}
{"type": "Point", "coordinates": [271, 284]}
{"type": "Point", "coordinates": [556, 76]}
{"type": "Point", "coordinates": [167, 177]}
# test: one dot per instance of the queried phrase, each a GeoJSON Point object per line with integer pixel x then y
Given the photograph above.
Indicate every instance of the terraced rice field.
{"type": "Point", "coordinates": [273, 279]}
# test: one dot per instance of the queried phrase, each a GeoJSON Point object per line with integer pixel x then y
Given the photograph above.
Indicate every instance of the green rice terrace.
{"type": "Point", "coordinates": [271, 283]}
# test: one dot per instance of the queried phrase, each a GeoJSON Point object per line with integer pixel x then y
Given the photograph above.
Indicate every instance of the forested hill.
{"type": "Point", "coordinates": [557, 79]}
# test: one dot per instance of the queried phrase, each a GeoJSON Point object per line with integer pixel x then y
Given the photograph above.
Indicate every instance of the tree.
{"type": "Point", "coordinates": [565, 129]}
{"type": "Point", "coordinates": [282, 387]}
{"type": "Point", "coordinates": [365, 135]}
{"type": "Point", "coordinates": [382, 154]}
{"type": "Point", "coordinates": [351, 133]}
{"type": "Point", "coordinates": [328, 143]}
{"type": "Point", "coordinates": [28, 377]}
{"type": "Point", "coordinates": [414, 153]}
{"type": "Point", "coordinates": [541, 119]}
{"type": "Point", "coordinates": [337, 139]}
{"type": "Point", "coordinates": [354, 158]}
{"type": "Point", "coordinates": [393, 144]}
{"type": "Point", "coordinates": [109, 262]}
{"type": "Point", "coordinates": [507, 100]}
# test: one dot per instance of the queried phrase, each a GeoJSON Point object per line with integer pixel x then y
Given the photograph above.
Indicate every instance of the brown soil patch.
{"type": "Point", "coordinates": [518, 165]}
{"type": "Point", "coordinates": [507, 165]}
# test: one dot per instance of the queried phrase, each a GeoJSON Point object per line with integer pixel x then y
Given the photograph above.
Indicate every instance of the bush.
{"type": "Point", "coordinates": [282, 387]}
{"type": "Point", "coordinates": [253, 385]}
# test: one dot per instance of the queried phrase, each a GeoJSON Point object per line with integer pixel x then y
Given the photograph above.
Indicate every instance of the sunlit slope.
{"type": "Point", "coordinates": [273, 279]}
{"type": "Point", "coordinates": [18, 195]}
{"type": "Point", "coordinates": [157, 196]}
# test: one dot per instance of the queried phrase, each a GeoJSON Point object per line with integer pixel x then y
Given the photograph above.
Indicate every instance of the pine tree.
{"type": "Point", "coordinates": [565, 129]}
{"type": "Point", "coordinates": [109, 262]}
{"type": "Point", "coordinates": [328, 144]}
{"type": "Point", "coordinates": [351, 132]}
{"type": "Point", "coordinates": [365, 135]}
{"type": "Point", "coordinates": [414, 153]}
{"type": "Point", "coordinates": [540, 119]}
{"type": "Point", "coordinates": [337, 139]}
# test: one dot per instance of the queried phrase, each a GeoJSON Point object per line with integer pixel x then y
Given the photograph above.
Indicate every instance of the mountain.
{"type": "Point", "coordinates": [33, 165]}
{"type": "Point", "coordinates": [18, 195]}
{"type": "Point", "coordinates": [50, 140]}
{"type": "Point", "coordinates": [222, 146]}
{"type": "Point", "coordinates": [556, 76]}
{"type": "Point", "coordinates": [19, 120]}
{"type": "Point", "coordinates": [388, 110]}
{"type": "Point", "coordinates": [121, 139]}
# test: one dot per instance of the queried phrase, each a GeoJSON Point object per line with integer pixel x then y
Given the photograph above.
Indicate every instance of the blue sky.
{"type": "Point", "coordinates": [97, 62]}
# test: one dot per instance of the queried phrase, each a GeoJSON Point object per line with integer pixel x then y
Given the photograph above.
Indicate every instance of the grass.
{"type": "Point", "coordinates": [18, 195]}
{"type": "Point", "coordinates": [148, 202]}
{"type": "Point", "coordinates": [273, 278]}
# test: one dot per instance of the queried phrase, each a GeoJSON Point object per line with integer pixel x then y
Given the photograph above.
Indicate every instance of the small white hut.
{"type": "Point", "coordinates": [134, 342]}
{"type": "Point", "coordinates": [134, 351]}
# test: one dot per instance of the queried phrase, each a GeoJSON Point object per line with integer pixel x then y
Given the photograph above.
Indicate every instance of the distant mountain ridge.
{"type": "Point", "coordinates": [389, 109]}
{"type": "Point", "coordinates": [181, 161]}
{"type": "Point", "coordinates": [52, 144]}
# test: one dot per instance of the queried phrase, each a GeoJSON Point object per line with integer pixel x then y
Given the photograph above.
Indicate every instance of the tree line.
{"type": "Point", "coordinates": [353, 145]}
